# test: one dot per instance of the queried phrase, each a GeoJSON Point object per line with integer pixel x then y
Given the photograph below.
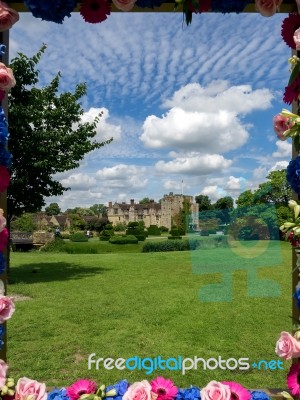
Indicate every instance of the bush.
{"type": "Point", "coordinates": [120, 227]}
{"type": "Point", "coordinates": [65, 235]}
{"type": "Point", "coordinates": [163, 229]}
{"type": "Point", "coordinates": [134, 229]}
{"type": "Point", "coordinates": [184, 244]}
{"type": "Point", "coordinates": [79, 237]}
{"type": "Point", "coordinates": [154, 230]}
{"type": "Point", "coordinates": [107, 233]}
{"type": "Point", "coordinates": [166, 245]}
{"type": "Point", "coordinates": [204, 232]}
{"type": "Point", "coordinates": [57, 245]}
{"type": "Point", "coordinates": [126, 239]}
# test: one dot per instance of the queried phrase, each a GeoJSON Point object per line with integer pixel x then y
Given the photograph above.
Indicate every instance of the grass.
{"type": "Point", "coordinates": [127, 304]}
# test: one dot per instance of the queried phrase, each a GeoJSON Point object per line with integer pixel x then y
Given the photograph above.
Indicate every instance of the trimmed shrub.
{"type": "Point", "coordinates": [133, 228]}
{"type": "Point", "coordinates": [166, 245]}
{"type": "Point", "coordinates": [154, 230]}
{"type": "Point", "coordinates": [184, 244]}
{"type": "Point", "coordinates": [57, 245]}
{"type": "Point", "coordinates": [107, 233]}
{"type": "Point", "coordinates": [163, 229]}
{"type": "Point", "coordinates": [79, 237]}
{"type": "Point", "coordinates": [129, 239]}
{"type": "Point", "coordinates": [175, 234]}
{"type": "Point", "coordinates": [140, 238]}
{"type": "Point", "coordinates": [204, 232]}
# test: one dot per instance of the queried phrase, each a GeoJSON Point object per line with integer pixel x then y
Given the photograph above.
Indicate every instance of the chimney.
{"type": "Point", "coordinates": [132, 202]}
{"type": "Point", "coordinates": [110, 204]}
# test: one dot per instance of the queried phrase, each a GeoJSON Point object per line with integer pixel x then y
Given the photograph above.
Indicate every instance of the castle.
{"type": "Point", "coordinates": [160, 214]}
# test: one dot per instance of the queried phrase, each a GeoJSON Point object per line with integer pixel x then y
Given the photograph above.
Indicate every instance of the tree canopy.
{"type": "Point", "coordinates": [46, 135]}
{"type": "Point", "coordinates": [52, 209]}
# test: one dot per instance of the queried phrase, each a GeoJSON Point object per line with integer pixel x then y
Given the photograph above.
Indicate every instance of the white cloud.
{"type": "Point", "coordinates": [78, 181]}
{"type": "Point", "coordinates": [213, 192]}
{"type": "Point", "coordinates": [122, 176]}
{"type": "Point", "coordinates": [194, 163]}
{"type": "Point", "coordinates": [205, 119]}
{"type": "Point", "coordinates": [279, 165]}
{"type": "Point", "coordinates": [219, 95]}
{"type": "Point", "coordinates": [104, 129]}
{"type": "Point", "coordinates": [178, 185]}
{"type": "Point", "coordinates": [284, 149]}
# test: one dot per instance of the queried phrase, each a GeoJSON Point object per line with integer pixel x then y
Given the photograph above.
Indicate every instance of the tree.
{"type": "Point", "coordinates": [99, 210]}
{"type": "Point", "coordinates": [182, 219]}
{"type": "Point", "coordinates": [224, 205]}
{"type": "Point", "coordinates": [144, 200]}
{"type": "Point", "coordinates": [77, 223]}
{"type": "Point", "coordinates": [276, 191]}
{"type": "Point", "coordinates": [204, 202]}
{"type": "Point", "coordinates": [24, 223]}
{"type": "Point", "coordinates": [53, 209]}
{"type": "Point", "coordinates": [245, 199]}
{"type": "Point", "coordinates": [46, 135]}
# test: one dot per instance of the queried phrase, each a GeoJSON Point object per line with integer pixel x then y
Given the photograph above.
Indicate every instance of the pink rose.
{"type": "Point", "coordinates": [140, 391]}
{"type": "Point", "coordinates": [3, 239]}
{"type": "Point", "coordinates": [2, 223]}
{"type": "Point", "coordinates": [124, 5]}
{"type": "Point", "coordinates": [296, 38]}
{"type": "Point", "coordinates": [7, 79]}
{"type": "Point", "coordinates": [27, 389]}
{"type": "Point", "coordinates": [3, 372]}
{"type": "Point", "coordinates": [267, 8]}
{"type": "Point", "coordinates": [281, 124]}
{"type": "Point", "coordinates": [7, 308]}
{"type": "Point", "coordinates": [287, 346]}
{"type": "Point", "coordinates": [215, 391]}
{"type": "Point", "coordinates": [8, 17]}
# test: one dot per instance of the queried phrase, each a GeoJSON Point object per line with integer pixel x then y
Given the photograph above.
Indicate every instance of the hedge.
{"type": "Point", "coordinates": [78, 237]}
{"type": "Point", "coordinates": [126, 239]}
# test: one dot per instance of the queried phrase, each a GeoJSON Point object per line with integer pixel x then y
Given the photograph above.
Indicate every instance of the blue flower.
{"type": "Point", "coordinates": [293, 174]}
{"type": "Point", "coordinates": [2, 49]}
{"type": "Point", "coordinates": [120, 387]}
{"type": "Point", "coordinates": [58, 394]}
{"type": "Point", "coordinates": [2, 265]}
{"type": "Point", "coordinates": [188, 394]}
{"type": "Point", "coordinates": [259, 395]}
{"type": "Point", "coordinates": [51, 10]}
{"type": "Point", "coordinates": [2, 333]}
{"type": "Point", "coordinates": [297, 295]}
{"type": "Point", "coordinates": [4, 134]}
{"type": "Point", "coordinates": [5, 157]}
{"type": "Point", "coordinates": [227, 6]}
{"type": "Point", "coordinates": [149, 3]}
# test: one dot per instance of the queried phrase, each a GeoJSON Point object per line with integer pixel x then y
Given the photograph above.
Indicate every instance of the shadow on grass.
{"type": "Point", "coordinates": [51, 271]}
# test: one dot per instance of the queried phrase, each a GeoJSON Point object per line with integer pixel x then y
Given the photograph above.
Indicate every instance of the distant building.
{"type": "Point", "coordinates": [153, 213]}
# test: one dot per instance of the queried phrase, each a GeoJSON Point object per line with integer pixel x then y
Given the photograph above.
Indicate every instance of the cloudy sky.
{"type": "Point", "coordinates": [189, 108]}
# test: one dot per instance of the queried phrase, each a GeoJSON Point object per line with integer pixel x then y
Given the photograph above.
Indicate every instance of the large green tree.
{"type": "Point", "coordinates": [276, 190]}
{"type": "Point", "coordinates": [52, 209]}
{"type": "Point", "coordinates": [204, 202]}
{"type": "Point", "coordinates": [46, 135]}
{"type": "Point", "coordinates": [99, 209]}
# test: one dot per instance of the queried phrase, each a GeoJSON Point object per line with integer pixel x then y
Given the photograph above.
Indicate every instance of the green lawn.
{"type": "Point", "coordinates": [127, 304]}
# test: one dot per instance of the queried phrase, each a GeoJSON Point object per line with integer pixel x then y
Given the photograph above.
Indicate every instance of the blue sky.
{"type": "Point", "coordinates": [183, 104]}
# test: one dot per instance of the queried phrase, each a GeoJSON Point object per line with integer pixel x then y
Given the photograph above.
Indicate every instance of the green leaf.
{"type": "Point", "coordinates": [294, 73]}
